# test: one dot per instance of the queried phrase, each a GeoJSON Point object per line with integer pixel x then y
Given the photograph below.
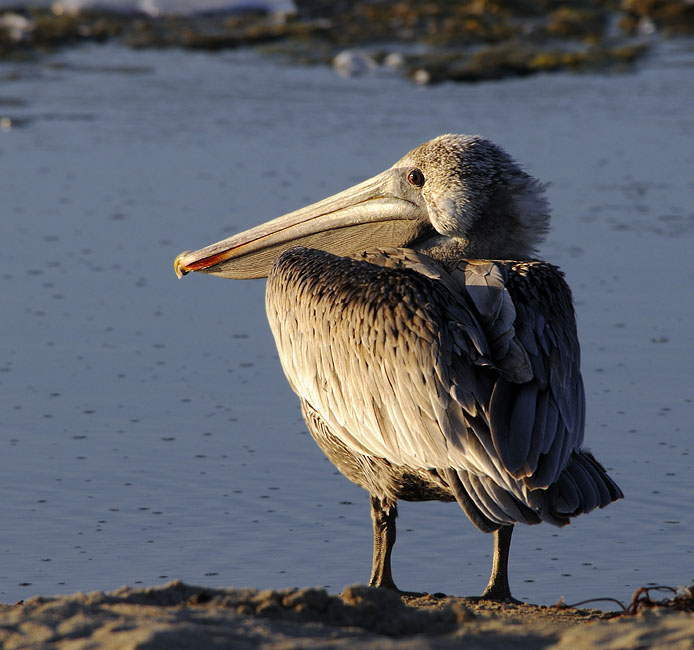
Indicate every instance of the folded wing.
{"type": "Point", "coordinates": [473, 367]}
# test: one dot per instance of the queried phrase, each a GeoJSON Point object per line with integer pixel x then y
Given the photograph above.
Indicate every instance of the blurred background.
{"type": "Point", "coordinates": [146, 434]}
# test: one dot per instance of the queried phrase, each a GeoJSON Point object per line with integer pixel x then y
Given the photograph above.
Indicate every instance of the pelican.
{"type": "Point", "coordinates": [434, 356]}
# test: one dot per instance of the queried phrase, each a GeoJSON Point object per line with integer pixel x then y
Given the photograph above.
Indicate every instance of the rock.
{"type": "Point", "coordinates": [353, 63]}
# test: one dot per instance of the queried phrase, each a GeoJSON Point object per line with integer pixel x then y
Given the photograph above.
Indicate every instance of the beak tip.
{"type": "Point", "coordinates": [179, 268]}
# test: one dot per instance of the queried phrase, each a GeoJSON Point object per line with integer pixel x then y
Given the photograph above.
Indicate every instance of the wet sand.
{"type": "Point", "coordinates": [177, 615]}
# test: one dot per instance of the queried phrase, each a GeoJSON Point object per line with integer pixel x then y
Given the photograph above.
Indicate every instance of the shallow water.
{"type": "Point", "coordinates": [146, 430]}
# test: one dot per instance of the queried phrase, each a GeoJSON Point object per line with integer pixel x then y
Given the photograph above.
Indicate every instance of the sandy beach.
{"type": "Point", "coordinates": [177, 615]}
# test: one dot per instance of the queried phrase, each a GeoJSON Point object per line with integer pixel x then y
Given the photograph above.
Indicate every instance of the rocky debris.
{"type": "Point", "coordinates": [437, 40]}
{"type": "Point", "coordinates": [671, 18]}
{"type": "Point", "coordinates": [518, 58]}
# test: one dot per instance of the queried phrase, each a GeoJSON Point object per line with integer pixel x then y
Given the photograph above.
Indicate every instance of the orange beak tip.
{"type": "Point", "coordinates": [178, 267]}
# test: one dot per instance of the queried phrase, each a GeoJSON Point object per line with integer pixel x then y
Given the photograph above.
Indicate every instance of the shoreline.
{"type": "Point", "coordinates": [181, 615]}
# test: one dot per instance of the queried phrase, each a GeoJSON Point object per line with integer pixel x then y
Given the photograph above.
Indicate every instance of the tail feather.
{"type": "Point", "coordinates": [488, 505]}
{"type": "Point", "coordinates": [614, 490]}
{"type": "Point", "coordinates": [466, 502]}
{"type": "Point", "coordinates": [583, 486]}
{"type": "Point", "coordinates": [496, 502]}
{"type": "Point", "coordinates": [589, 490]}
{"type": "Point", "coordinates": [598, 477]}
{"type": "Point", "coordinates": [567, 496]}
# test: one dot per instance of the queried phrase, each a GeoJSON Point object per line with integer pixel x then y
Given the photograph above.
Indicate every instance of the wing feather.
{"type": "Point", "coordinates": [521, 426]}
{"type": "Point", "coordinates": [538, 432]}
{"type": "Point", "coordinates": [473, 367]}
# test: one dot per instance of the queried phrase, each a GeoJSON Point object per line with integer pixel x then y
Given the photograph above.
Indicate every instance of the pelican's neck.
{"type": "Point", "coordinates": [450, 250]}
{"type": "Point", "coordinates": [511, 228]}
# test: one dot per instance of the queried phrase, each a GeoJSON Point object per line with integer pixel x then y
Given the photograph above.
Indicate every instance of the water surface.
{"type": "Point", "coordinates": [146, 430]}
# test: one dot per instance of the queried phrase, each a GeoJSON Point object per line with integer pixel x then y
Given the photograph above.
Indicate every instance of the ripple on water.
{"type": "Point", "coordinates": [150, 432]}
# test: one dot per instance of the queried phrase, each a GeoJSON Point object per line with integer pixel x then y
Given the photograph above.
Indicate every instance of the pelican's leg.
{"type": "Point", "coordinates": [384, 537]}
{"type": "Point", "coordinates": [498, 588]}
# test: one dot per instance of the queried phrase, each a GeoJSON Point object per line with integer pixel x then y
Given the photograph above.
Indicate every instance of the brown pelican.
{"type": "Point", "coordinates": [435, 358]}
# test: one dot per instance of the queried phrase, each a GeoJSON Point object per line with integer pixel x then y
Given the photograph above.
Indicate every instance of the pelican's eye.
{"type": "Point", "coordinates": [415, 177]}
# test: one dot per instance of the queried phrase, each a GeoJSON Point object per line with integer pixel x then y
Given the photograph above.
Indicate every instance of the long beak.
{"type": "Point", "coordinates": [372, 213]}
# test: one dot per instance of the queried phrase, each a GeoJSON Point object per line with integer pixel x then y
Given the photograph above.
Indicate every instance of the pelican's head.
{"type": "Point", "coordinates": [455, 196]}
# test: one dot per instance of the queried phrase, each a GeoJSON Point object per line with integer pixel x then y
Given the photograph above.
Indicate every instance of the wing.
{"type": "Point", "coordinates": [536, 413]}
{"type": "Point", "coordinates": [472, 368]}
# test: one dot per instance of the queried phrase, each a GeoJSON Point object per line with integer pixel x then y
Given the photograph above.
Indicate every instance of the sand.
{"type": "Point", "coordinates": [177, 615]}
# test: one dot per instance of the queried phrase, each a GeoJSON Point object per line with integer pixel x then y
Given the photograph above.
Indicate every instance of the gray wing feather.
{"type": "Point", "coordinates": [537, 423]}
{"type": "Point", "coordinates": [521, 426]}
